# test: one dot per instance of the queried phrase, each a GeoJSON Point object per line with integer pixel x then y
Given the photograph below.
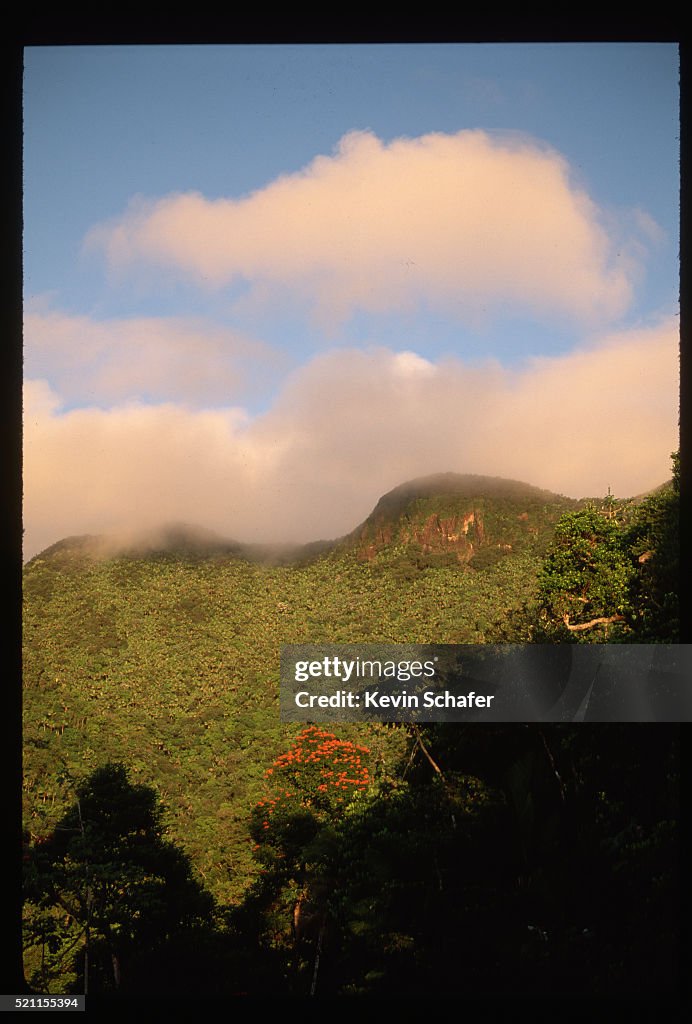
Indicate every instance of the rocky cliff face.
{"type": "Point", "coordinates": [454, 518]}
{"type": "Point", "coordinates": [462, 534]}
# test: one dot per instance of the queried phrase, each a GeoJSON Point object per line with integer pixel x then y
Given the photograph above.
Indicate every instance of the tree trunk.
{"type": "Point", "coordinates": [313, 986]}
{"type": "Point", "coordinates": [116, 970]}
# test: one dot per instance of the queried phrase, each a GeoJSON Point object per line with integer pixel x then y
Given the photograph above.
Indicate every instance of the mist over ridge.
{"type": "Point", "coordinates": [421, 497]}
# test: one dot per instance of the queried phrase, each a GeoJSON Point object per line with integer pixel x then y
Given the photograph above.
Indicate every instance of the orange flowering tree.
{"type": "Point", "coordinates": [306, 788]}
{"type": "Point", "coordinates": [296, 832]}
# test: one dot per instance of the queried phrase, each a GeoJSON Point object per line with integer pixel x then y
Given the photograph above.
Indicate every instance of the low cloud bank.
{"type": "Point", "coordinates": [347, 427]}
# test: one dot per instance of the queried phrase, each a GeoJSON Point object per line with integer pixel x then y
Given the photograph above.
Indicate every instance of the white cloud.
{"type": "Point", "coordinates": [462, 223]}
{"type": "Point", "coordinates": [410, 364]}
{"type": "Point", "coordinates": [348, 426]}
{"type": "Point", "coordinates": [150, 358]}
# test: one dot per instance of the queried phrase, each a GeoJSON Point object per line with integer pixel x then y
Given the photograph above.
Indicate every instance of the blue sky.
{"type": "Point", "coordinates": [266, 283]}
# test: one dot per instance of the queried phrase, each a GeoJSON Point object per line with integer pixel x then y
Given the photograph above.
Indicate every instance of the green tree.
{"type": "Point", "coordinates": [612, 572]}
{"type": "Point", "coordinates": [654, 543]}
{"type": "Point", "coordinates": [587, 578]}
{"type": "Point", "coordinates": [107, 888]}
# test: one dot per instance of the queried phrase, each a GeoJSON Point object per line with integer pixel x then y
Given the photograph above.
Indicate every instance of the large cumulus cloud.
{"type": "Point", "coordinates": [465, 223]}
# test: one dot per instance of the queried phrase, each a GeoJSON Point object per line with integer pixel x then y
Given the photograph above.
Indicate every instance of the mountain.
{"type": "Point", "coordinates": [162, 648]}
{"type": "Point", "coordinates": [450, 518]}
{"type": "Point", "coordinates": [182, 539]}
{"type": "Point", "coordinates": [443, 519]}
{"type": "Point", "coordinates": [162, 654]}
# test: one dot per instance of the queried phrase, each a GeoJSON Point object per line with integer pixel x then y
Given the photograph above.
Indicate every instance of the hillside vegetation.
{"type": "Point", "coordinates": [158, 665]}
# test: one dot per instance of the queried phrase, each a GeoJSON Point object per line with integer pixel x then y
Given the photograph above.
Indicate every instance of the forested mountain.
{"type": "Point", "coordinates": [451, 519]}
{"type": "Point", "coordinates": [178, 836]}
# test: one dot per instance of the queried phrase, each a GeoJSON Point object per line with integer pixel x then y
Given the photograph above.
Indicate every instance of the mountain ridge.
{"type": "Point", "coordinates": [451, 506]}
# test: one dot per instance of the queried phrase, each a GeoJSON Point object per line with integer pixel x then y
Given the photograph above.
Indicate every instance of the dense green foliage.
{"type": "Point", "coordinates": [611, 573]}
{"type": "Point", "coordinates": [108, 880]}
{"type": "Point", "coordinates": [445, 858]}
{"type": "Point", "coordinates": [171, 666]}
{"type": "Point", "coordinates": [587, 573]}
{"type": "Point", "coordinates": [654, 541]}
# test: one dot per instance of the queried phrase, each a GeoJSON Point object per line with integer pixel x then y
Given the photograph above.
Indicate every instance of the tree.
{"type": "Point", "coordinates": [290, 910]}
{"type": "Point", "coordinates": [612, 571]}
{"type": "Point", "coordinates": [654, 542]}
{"type": "Point", "coordinates": [587, 577]}
{"type": "Point", "coordinates": [106, 887]}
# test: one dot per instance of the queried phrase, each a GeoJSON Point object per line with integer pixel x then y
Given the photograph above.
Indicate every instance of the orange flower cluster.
{"type": "Point", "coordinates": [319, 766]}
{"type": "Point", "coordinates": [271, 805]}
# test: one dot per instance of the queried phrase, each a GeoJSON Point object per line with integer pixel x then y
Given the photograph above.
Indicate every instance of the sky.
{"type": "Point", "coordinates": [266, 284]}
